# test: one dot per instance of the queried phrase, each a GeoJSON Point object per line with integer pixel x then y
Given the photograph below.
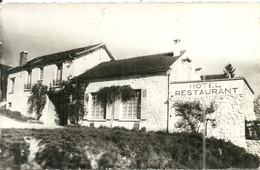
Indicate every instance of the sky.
{"type": "Point", "coordinates": [214, 34]}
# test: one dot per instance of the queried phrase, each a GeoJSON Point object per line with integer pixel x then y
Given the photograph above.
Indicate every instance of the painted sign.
{"type": "Point", "coordinates": [229, 87]}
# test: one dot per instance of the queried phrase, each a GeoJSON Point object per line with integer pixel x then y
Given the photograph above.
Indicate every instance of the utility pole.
{"type": "Point", "coordinates": [204, 133]}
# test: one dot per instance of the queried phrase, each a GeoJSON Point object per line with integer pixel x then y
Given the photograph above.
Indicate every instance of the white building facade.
{"type": "Point", "coordinates": [50, 70]}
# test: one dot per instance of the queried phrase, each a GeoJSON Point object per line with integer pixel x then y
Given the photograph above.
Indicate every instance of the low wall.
{"type": "Point", "coordinates": [253, 146]}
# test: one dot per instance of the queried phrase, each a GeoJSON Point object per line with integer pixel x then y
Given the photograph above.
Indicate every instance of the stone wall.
{"type": "Point", "coordinates": [253, 146]}
{"type": "Point", "coordinates": [156, 86]}
{"type": "Point", "coordinates": [157, 92]}
{"type": "Point", "coordinates": [231, 111]}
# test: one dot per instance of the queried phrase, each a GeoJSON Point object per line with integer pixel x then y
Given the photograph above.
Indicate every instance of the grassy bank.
{"type": "Point", "coordinates": [17, 116]}
{"type": "Point", "coordinates": [117, 148]}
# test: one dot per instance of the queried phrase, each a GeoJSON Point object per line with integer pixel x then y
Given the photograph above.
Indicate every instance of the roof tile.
{"type": "Point", "coordinates": [131, 66]}
{"type": "Point", "coordinates": [53, 58]}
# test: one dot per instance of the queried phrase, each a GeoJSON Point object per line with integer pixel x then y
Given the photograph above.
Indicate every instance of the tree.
{"type": "Point", "coordinates": [69, 102]}
{"type": "Point", "coordinates": [229, 70]}
{"type": "Point", "coordinates": [37, 100]}
{"type": "Point", "coordinates": [191, 113]}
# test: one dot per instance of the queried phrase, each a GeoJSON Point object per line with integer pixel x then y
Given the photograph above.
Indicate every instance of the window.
{"type": "Point", "coordinates": [12, 83]}
{"type": "Point", "coordinates": [41, 73]}
{"type": "Point", "coordinates": [97, 111]}
{"type": "Point", "coordinates": [58, 78]}
{"type": "Point", "coordinates": [132, 108]}
{"type": "Point", "coordinates": [28, 84]}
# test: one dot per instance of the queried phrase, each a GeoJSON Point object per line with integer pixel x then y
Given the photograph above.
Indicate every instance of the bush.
{"type": "Point", "coordinates": [68, 102]}
{"type": "Point", "coordinates": [124, 149]}
{"type": "Point", "coordinates": [62, 154]}
{"type": "Point", "coordinates": [37, 100]}
{"type": "Point", "coordinates": [14, 152]}
{"type": "Point", "coordinates": [108, 160]}
{"type": "Point", "coordinates": [15, 115]}
{"type": "Point", "coordinates": [225, 154]}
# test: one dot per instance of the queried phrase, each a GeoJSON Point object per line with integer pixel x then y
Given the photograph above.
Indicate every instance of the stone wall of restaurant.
{"type": "Point", "coordinates": [231, 111]}
{"type": "Point", "coordinates": [156, 94]}
{"type": "Point", "coordinates": [253, 146]}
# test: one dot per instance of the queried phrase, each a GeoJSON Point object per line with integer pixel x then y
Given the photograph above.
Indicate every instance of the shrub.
{"type": "Point", "coordinates": [14, 152]}
{"type": "Point", "coordinates": [37, 100]}
{"type": "Point", "coordinates": [223, 154]}
{"type": "Point", "coordinates": [191, 113]}
{"type": "Point", "coordinates": [122, 148]}
{"type": "Point", "coordinates": [15, 115]}
{"type": "Point", "coordinates": [68, 102]}
{"type": "Point", "coordinates": [62, 154]}
{"type": "Point", "coordinates": [108, 160]}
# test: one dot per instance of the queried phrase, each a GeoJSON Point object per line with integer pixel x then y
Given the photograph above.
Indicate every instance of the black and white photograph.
{"type": "Point", "coordinates": [129, 85]}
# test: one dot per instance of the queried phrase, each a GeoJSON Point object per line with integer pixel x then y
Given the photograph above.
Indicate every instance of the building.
{"type": "Point", "coordinates": [3, 81]}
{"type": "Point", "coordinates": [159, 81]}
{"type": "Point", "coordinates": [150, 76]}
{"type": "Point", "coordinates": [50, 70]}
{"type": "Point", "coordinates": [233, 100]}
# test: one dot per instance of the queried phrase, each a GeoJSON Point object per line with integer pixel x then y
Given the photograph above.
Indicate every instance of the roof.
{"type": "Point", "coordinates": [214, 76]}
{"type": "Point", "coordinates": [60, 57]}
{"type": "Point", "coordinates": [131, 66]}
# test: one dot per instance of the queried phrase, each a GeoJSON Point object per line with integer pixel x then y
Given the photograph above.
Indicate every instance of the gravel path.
{"type": "Point", "coordinates": [6, 122]}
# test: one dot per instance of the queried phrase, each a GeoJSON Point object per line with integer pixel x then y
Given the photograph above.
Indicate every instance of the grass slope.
{"type": "Point", "coordinates": [118, 148]}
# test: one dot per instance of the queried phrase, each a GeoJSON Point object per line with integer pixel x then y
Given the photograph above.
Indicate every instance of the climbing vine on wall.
{"type": "Point", "coordinates": [37, 100]}
{"type": "Point", "coordinates": [68, 102]}
{"type": "Point", "coordinates": [108, 95]}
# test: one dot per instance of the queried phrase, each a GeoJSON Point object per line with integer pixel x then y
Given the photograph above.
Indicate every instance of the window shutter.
{"type": "Point", "coordinates": [144, 104]}
{"type": "Point", "coordinates": [108, 111]}
{"type": "Point", "coordinates": [116, 111]}
{"type": "Point", "coordinates": [89, 103]}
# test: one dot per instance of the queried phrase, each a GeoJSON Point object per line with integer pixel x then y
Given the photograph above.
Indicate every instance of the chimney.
{"type": "Point", "coordinates": [176, 48]}
{"type": "Point", "coordinates": [23, 57]}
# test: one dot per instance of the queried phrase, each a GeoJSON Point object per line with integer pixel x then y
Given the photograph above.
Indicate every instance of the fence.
{"type": "Point", "coordinates": [252, 130]}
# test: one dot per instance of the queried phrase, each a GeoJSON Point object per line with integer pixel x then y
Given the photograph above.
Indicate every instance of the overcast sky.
{"type": "Point", "coordinates": [214, 34]}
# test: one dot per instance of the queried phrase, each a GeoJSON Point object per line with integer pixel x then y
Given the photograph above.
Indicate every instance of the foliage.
{"type": "Point", "coordinates": [229, 70]}
{"type": "Point", "coordinates": [37, 100]}
{"type": "Point", "coordinates": [191, 113]}
{"type": "Point", "coordinates": [223, 154]}
{"type": "Point", "coordinates": [14, 151]}
{"type": "Point", "coordinates": [15, 115]}
{"type": "Point", "coordinates": [257, 106]}
{"type": "Point", "coordinates": [108, 95]}
{"type": "Point", "coordinates": [69, 148]}
{"type": "Point", "coordinates": [62, 154]}
{"type": "Point", "coordinates": [68, 102]}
